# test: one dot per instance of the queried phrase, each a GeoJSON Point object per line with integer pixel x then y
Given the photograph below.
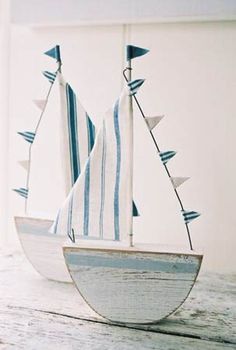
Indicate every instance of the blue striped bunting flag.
{"type": "Point", "coordinates": [50, 76]}
{"type": "Point", "coordinates": [134, 85]}
{"type": "Point", "coordinates": [166, 156]}
{"type": "Point", "coordinates": [21, 191]}
{"type": "Point", "coordinates": [27, 135]}
{"type": "Point", "coordinates": [134, 51]}
{"type": "Point", "coordinates": [54, 53]}
{"type": "Point", "coordinates": [189, 215]}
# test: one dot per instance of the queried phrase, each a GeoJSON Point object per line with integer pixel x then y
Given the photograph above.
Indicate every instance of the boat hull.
{"type": "Point", "coordinates": [42, 249]}
{"type": "Point", "coordinates": [130, 286]}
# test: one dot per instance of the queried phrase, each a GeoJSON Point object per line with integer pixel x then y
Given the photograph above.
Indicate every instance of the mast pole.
{"type": "Point", "coordinates": [131, 138]}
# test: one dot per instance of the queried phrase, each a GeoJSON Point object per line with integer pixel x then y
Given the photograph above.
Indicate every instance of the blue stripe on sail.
{"type": "Point", "coordinates": [118, 165]}
{"type": "Point", "coordinates": [69, 217]}
{"type": "Point", "coordinates": [102, 181]}
{"type": "Point", "coordinates": [21, 191]}
{"type": "Point", "coordinates": [73, 137]}
{"type": "Point", "coordinates": [91, 134]}
{"type": "Point", "coordinates": [135, 210]}
{"type": "Point", "coordinates": [86, 198]}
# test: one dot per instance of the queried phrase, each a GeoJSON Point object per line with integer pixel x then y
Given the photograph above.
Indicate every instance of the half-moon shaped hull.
{"type": "Point", "coordinates": [132, 285]}
{"type": "Point", "coordinates": [42, 249]}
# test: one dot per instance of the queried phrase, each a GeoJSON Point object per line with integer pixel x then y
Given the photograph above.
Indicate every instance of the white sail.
{"type": "Point", "coordinates": [100, 203]}
{"type": "Point", "coordinates": [61, 146]}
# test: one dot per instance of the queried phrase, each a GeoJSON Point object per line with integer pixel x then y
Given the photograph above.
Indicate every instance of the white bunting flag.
{"type": "Point", "coordinates": [177, 181]}
{"type": "Point", "coordinates": [153, 121]}
{"type": "Point", "coordinates": [24, 164]}
{"type": "Point", "coordinates": [40, 104]}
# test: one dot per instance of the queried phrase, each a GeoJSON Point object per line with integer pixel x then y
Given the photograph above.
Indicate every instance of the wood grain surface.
{"type": "Point", "coordinates": [36, 313]}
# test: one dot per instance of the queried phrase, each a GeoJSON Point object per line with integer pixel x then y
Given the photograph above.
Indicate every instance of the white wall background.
{"type": "Point", "coordinates": [191, 77]}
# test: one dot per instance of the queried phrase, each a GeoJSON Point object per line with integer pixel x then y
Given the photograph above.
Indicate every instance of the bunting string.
{"type": "Point", "coordinates": [29, 136]}
{"type": "Point", "coordinates": [165, 156]}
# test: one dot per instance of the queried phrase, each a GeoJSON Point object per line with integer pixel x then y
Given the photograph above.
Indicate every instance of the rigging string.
{"type": "Point", "coordinates": [158, 150]}
{"type": "Point", "coordinates": [36, 129]}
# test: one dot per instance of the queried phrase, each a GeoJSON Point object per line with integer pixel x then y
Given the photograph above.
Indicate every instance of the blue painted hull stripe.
{"type": "Point", "coordinates": [141, 264]}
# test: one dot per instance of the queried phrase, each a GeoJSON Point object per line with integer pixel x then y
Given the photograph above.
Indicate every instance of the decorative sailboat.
{"type": "Point", "coordinates": [52, 169]}
{"type": "Point", "coordinates": [122, 280]}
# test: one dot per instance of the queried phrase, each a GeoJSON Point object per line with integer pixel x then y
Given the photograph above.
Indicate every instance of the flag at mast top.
{"type": "Point", "coordinates": [54, 53]}
{"type": "Point", "coordinates": [134, 51]}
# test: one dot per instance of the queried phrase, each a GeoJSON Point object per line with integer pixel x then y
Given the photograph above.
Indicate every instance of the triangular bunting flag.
{"type": "Point", "coordinates": [166, 156]}
{"type": "Point", "coordinates": [21, 191]}
{"type": "Point", "coordinates": [54, 53]}
{"type": "Point", "coordinates": [177, 181]}
{"type": "Point", "coordinates": [189, 215]}
{"type": "Point", "coordinates": [153, 121]}
{"type": "Point", "coordinates": [135, 210]}
{"type": "Point", "coordinates": [50, 76]}
{"type": "Point", "coordinates": [40, 104]}
{"type": "Point", "coordinates": [134, 85]}
{"type": "Point", "coordinates": [27, 135]}
{"type": "Point", "coordinates": [24, 164]}
{"type": "Point", "coordinates": [134, 51]}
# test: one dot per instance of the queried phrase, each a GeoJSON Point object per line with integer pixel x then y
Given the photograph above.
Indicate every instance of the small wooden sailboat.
{"type": "Point", "coordinates": [120, 279]}
{"type": "Point", "coordinates": [52, 171]}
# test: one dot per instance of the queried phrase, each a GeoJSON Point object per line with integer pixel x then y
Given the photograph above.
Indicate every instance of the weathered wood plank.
{"type": "Point", "coordinates": [29, 329]}
{"type": "Point", "coordinates": [209, 313]}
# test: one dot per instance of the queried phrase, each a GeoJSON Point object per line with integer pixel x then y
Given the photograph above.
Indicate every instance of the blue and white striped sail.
{"type": "Point", "coordinates": [61, 147]}
{"type": "Point", "coordinates": [100, 203]}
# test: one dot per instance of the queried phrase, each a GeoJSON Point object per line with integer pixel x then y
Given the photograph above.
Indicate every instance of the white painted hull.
{"type": "Point", "coordinates": [132, 285]}
{"type": "Point", "coordinates": [43, 249]}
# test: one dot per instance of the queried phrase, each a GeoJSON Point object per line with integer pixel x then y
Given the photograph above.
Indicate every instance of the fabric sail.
{"type": "Point", "coordinates": [59, 151]}
{"type": "Point", "coordinates": [100, 203]}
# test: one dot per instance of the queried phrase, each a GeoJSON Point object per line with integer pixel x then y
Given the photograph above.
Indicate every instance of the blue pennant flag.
{"type": "Point", "coordinates": [189, 215]}
{"type": "Point", "coordinates": [21, 191]}
{"type": "Point", "coordinates": [134, 51]}
{"type": "Point", "coordinates": [50, 76]}
{"type": "Point", "coordinates": [27, 135]}
{"type": "Point", "coordinates": [135, 210]}
{"type": "Point", "coordinates": [134, 85]}
{"type": "Point", "coordinates": [166, 156]}
{"type": "Point", "coordinates": [54, 53]}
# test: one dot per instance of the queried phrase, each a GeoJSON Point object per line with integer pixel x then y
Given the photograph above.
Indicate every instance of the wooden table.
{"type": "Point", "coordinates": [39, 314]}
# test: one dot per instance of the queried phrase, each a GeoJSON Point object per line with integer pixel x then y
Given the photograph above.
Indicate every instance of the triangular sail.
{"type": "Point", "coordinates": [54, 169]}
{"type": "Point", "coordinates": [99, 205]}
